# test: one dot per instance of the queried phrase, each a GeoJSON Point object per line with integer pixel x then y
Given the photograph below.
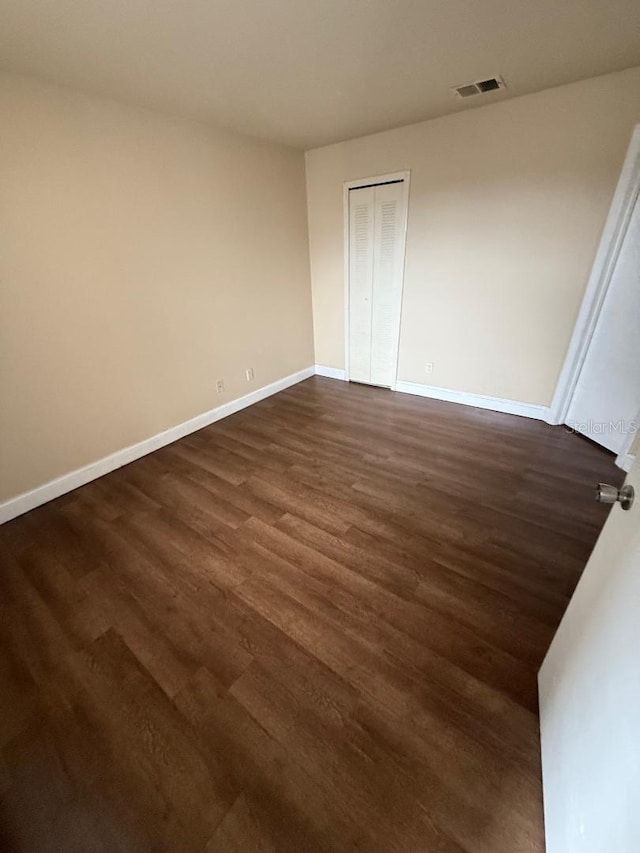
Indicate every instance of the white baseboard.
{"type": "Point", "coordinates": [625, 461]}
{"type": "Point", "coordinates": [68, 482]}
{"type": "Point", "coordinates": [331, 372]}
{"type": "Point", "coordinates": [553, 415]}
{"type": "Point", "coordinates": [479, 401]}
{"type": "Point", "coordinates": [496, 404]}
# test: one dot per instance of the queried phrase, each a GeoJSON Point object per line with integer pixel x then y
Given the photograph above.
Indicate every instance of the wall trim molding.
{"type": "Point", "coordinates": [74, 479]}
{"type": "Point", "coordinates": [625, 461]}
{"type": "Point", "coordinates": [479, 401]}
{"type": "Point", "coordinates": [331, 372]}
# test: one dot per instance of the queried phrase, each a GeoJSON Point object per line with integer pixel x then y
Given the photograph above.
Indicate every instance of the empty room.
{"type": "Point", "coordinates": [319, 414]}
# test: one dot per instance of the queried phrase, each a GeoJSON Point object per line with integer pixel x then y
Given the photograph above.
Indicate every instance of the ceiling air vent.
{"type": "Point", "coordinates": [480, 87]}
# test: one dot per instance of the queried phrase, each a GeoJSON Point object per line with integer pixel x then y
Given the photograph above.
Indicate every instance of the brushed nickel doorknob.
{"type": "Point", "coordinates": [606, 494]}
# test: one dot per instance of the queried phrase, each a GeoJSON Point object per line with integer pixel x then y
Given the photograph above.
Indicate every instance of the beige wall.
{"type": "Point", "coordinates": [142, 257]}
{"type": "Point", "coordinates": [506, 208]}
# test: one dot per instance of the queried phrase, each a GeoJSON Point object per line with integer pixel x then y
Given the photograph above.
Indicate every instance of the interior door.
{"type": "Point", "coordinates": [377, 223]}
{"type": "Point", "coordinates": [590, 700]}
{"type": "Point", "coordinates": [606, 402]}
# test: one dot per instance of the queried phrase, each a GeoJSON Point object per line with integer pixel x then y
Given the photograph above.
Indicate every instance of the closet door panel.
{"type": "Point", "coordinates": [361, 250]}
{"type": "Point", "coordinates": [389, 226]}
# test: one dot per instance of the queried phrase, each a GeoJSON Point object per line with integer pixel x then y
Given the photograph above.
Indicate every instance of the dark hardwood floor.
{"type": "Point", "coordinates": [313, 626]}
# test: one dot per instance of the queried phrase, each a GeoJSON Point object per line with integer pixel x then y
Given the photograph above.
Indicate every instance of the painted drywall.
{"type": "Point", "coordinates": [142, 258]}
{"type": "Point", "coordinates": [590, 700]}
{"type": "Point", "coordinates": [506, 209]}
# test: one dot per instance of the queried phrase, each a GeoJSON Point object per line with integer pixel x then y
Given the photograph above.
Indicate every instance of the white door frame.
{"type": "Point", "coordinates": [365, 182]}
{"type": "Point", "coordinates": [613, 234]}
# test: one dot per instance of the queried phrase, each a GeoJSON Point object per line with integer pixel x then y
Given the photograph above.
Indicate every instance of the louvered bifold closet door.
{"type": "Point", "coordinates": [388, 261]}
{"type": "Point", "coordinates": [361, 221]}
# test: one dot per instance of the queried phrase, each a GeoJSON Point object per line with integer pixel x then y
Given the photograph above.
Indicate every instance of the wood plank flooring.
{"type": "Point", "coordinates": [313, 626]}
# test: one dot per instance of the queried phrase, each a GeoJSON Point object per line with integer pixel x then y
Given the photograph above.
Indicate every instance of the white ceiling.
{"type": "Point", "coordinates": [309, 72]}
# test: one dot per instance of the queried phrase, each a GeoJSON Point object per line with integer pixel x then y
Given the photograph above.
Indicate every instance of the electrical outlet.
{"type": "Point", "coordinates": [429, 368]}
{"type": "Point", "coordinates": [249, 374]}
{"type": "Point", "coordinates": [220, 386]}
